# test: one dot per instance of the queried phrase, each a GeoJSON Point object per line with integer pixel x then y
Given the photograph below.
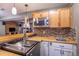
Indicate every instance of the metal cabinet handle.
{"type": "Point", "coordinates": [61, 52]}
{"type": "Point", "coordinates": [50, 43]}
{"type": "Point", "coordinates": [61, 46]}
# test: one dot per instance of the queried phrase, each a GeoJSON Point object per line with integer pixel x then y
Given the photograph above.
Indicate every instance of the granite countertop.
{"type": "Point", "coordinates": [69, 40]}
{"type": "Point", "coordinates": [8, 38]}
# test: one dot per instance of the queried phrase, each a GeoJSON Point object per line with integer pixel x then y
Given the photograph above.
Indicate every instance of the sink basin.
{"type": "Point", "coordinates": [60, 39]}
{"type": "Point", "coordinates": [19, 47]}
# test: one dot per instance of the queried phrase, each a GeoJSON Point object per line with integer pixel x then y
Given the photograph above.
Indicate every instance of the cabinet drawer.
{"type": "Point", "coordinates": [67, 53]}
{"type": "Point", "coordinates": [64, 46]}
{"type": "Point", "coordinates": [54, 52]}
{"type": "Point", "coordinates": [44, 49]}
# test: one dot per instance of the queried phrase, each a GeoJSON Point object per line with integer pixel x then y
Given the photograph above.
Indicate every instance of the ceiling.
{"type": "Point", "coordinates": [5, 8]}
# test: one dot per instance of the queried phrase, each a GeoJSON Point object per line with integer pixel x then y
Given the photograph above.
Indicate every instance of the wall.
{"type": "Point", "coordinates": [75, 17]}
{"type": "Point", "coordinates": [2, 28]}
{"type": "Point", "coordinates": [10, 24]}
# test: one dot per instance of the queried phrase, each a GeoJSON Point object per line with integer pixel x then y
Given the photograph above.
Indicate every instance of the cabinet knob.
{"type": "Point", "coordinates": [50, 43]}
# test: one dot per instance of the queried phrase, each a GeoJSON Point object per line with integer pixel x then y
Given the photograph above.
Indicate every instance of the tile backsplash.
{"type": "Point", "coordinates": [54, 31]}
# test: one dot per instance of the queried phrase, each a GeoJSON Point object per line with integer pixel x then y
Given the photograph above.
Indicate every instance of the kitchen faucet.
{"type": "Point", "coordinates": [26, 25]}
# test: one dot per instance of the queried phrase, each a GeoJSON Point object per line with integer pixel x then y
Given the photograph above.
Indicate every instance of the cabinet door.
{"type": "Point", "coordinates": [36, 50]}
{"type": "Point", "coordinates": [59, 52]}
{"type": "Point", "coordinates": [65, 17]}
{"type": "Point", "coordinates": [36, 14]}
{"type": "Point", "coordinates": [40, 14]}
{"type": "Point", "coordinates": [54, 52]}
{"type": "Point", "coordinates": [44, 14]}
{"type": "Point", "coordinates": [53, 18]}
{"type": "Point", "coordinates": [44, 48]}
{"type": "Point", "coordinates": [59, 49]}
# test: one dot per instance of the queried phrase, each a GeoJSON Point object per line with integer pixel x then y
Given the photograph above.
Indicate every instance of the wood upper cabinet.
{"type": "Point", "coordinates": [56, 18]}
{"type": "Point", "coordinates": [60, 17]}
{"type": "Point", "coordinates": [40, 14]}
{"type": "Point", "coordinates": [44, 14]}
{"type": "Point", "coordinates": [65, 17]}
{"type": "Point", "coordinates": [53, 18]}
{"type": "Point", "coordinates": [36, 14]}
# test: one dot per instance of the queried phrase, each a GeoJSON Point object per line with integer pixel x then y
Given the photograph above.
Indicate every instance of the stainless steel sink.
{"type": "Point", "coordinates": [19, 47]}
{"type": "Point", "coordinates": [60, 38]}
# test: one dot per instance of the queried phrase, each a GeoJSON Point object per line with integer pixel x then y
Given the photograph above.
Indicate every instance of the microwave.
{"type": "Point", "coordinates": [41, 22]}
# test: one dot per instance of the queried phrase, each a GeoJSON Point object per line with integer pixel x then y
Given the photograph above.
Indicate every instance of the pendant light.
{"type": "Point", "coordinates": [14, 10]}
